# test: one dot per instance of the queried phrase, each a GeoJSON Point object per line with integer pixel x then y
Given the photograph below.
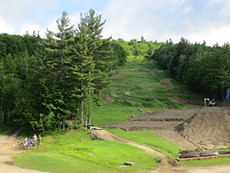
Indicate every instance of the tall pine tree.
{"type": "Point", "coordinates": [56, 61]}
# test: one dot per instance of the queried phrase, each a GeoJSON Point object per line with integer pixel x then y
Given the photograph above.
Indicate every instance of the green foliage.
{"type": "Point", "coordinates": [118, 54]}
{"type": "Point", "coordinates": [45, 81]}
{"type": "Point", "coordinates": [3, 128]}
{"type": "Point", "coordinates": [202, 68]}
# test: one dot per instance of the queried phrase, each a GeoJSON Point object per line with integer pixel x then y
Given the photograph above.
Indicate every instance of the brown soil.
{"type": "Point", "coordinates": [124, 69]}
{"type": "Point", "coordinates": [149, 89]}
{"type": "Point", "coordinates": [204, 128]}
{"type": "Point", "coordinates": [153, 73]}
{"type": "Point", "coordinates": [9, 145]}
{"type": "Point", "coordinates": [138, 74]}
{"type": "Point", "coordinates": [167, 83]}
{"type": "Point", "coordinates": [189, 102]}
{"type": "Point", "coordinates": [105, 98]}
{"type": "Point", "coordinates": [127, 93]}
{"type": "Point", "coordinates": [116, 76]}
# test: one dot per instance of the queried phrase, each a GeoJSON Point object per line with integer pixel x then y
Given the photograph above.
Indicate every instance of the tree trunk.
{"type": "Point", "coordinates": [63, 124]}
{"type": "Point", "coordinates": [82, 108]}
{"type": "Point", "coordinates": [90, 120]}
{"type": "Point", "coordinates": [1, 111]}
{"type": "Point", "coordinates": [76, 119]}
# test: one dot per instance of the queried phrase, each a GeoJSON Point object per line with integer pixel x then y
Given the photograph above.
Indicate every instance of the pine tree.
{"type": "Point", "coordinates": [82, 64]}
{"type": "Point", "coordinates": [91, 59]}
{"type": "Point", "coordinates": [57, 47]}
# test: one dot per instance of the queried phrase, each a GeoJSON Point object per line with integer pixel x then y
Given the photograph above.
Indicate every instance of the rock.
{"type": "Point", "coordinates": [129, 163]}
{"type": "Point", "coordinates": [139, 110]}
{"type": "Point", "coordinates": [95, 128]}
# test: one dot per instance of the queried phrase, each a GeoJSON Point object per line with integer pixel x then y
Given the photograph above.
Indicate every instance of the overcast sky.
{"type": "Point", "coordinates": [156, 20]}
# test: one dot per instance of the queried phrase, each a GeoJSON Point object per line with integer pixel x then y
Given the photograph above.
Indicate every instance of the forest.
{"type": "Point", "coordinates": [45, 81]}
{"type": "Point", "coordinates": [204, 69]}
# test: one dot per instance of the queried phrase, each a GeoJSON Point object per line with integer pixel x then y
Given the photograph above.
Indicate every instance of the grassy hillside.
{"type": "Point", "coordinates": [139, 84]}
{"type": "Point", "coordinates": [76, 152]}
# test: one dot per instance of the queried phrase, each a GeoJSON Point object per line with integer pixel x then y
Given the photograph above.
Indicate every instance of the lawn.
{"type": "Point", "coordinates": [76, 152]}
{"type": "Point", "coordinates": [148, 138]}
{"type": "Point", "coordinates": [208, 162]}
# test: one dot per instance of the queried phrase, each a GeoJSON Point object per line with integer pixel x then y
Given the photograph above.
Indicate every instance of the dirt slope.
{"type": "Point", "coordinates": [209, 128]}
{"type": "Point", "coordinates": [205, 128]}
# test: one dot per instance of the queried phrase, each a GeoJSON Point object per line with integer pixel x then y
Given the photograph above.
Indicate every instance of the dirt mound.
{"type": "Point", "coordinates": [205, 128]}
{"type": "Point", "coordinates": [209, 128]}
{"type": "Point", "coordinates": [105, 98]}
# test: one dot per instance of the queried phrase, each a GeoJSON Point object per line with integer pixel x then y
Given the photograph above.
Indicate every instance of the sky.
{"type": "Point", "coordinates": [155, 20]}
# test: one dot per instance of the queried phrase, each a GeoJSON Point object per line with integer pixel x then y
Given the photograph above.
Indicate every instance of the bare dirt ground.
{"type": "Point", "coordinates": [200, 128]}
{"type": "Point", "coordinates": [8, 147]}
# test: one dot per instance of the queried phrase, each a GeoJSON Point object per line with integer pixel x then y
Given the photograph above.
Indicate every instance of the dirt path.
{"type": "Point", "coordinates": [167, 165]}
{"type": "Point", "coordinates": [166, 162]}
{"type": "Point", "coordinates": [9, 147]}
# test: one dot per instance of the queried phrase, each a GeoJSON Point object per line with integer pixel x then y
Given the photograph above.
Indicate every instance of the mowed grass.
{"type": "Point", "coordinates": [76, 152]}
{"type": "Point", "coordinates": [208, 162]}
{"type": "Point", "coordinates": [148, 138]}
{"type": "Point", "coordinates": [112, 113]}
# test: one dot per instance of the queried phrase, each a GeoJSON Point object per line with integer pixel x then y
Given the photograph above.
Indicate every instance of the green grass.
{"type": "Point", "coordinates": [112, 114]}
{"type": "Point", "coordinates": [76, 152]}
{"type": "Point", "coordinates": [148, 138]}
{"type": "Point", "coordinates": [209, 162]}
{"type": "Point", "coordinates": [135, 87]}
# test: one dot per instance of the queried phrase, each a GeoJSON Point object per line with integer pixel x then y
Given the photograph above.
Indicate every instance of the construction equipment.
{"type": "Point", "coordinates": [208, 102]}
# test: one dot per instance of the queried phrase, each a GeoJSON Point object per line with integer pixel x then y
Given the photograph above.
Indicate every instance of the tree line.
{"type": "Point", "coordinates": [43, 82]}
{"type": "Point", "coordinates": [204, 69]}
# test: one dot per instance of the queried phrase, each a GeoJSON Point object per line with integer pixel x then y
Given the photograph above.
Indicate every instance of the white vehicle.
{"type": "Point", "coordinates": [208, 102]}
{"type": "Point", "coordinates": [212, 102]}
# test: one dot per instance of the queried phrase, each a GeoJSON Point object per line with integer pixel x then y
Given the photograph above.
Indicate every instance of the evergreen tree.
{"type": "Point", "coordinates": [56, 60]}
{"type": "Point", "coordinates": [91, 57]}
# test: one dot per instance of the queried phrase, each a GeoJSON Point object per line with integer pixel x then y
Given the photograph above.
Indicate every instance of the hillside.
{"type": "Point", "coordinates": [169, 109]}
{"type": "Point", "coordinates": [141, 84]}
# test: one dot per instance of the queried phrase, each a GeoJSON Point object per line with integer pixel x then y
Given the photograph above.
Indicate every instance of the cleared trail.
{"type": "Point", "coordinates": [167, 164]}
